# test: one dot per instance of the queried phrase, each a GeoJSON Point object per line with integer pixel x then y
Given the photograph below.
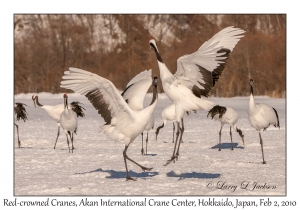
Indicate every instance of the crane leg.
{"type": "Point", "coordinates": [142, 150]}
{"type": "Point", "coordinates": [19, 143]}
{"type": "Point", "coordinates": [177, 135]}
{"type": "Point", "coordinates": [72, 142]}
{"type": "Point", "coordinates": [72, 138]}
{"type": "Point", "coordinates": [68, 142]}
{"type": "Point", "coordinates": [181, 133]}
{"type": "Point", "coordinates": [231, 139]}
{"type": "Point", "coordinates": [173, 131]}
{"type": "Point", "coordinates": [262, 149]}
{"type": "Point", "coordinates": [128, 177]}
{"type": "Point", "coordinates": [220, 133]}
{"type": "Point", "coordinates": [58, 131]}
{"type": "Point", "coordinates": [173, 156]}
{"type": "Point", "coordinates": [182, 128]}
{"type": "Point", "coordinates": [146, 143]}
{"type": "Point", "coordinates": [126, 157]}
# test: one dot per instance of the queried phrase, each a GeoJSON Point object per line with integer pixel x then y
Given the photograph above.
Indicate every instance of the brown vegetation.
{"type": "Point", "coordinates": [46, 45]}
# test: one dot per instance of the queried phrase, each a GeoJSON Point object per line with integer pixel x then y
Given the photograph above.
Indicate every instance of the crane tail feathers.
{"type": "Point", "coordinates": [20, 111]}
{"type": "Point", "coordinates": [277, 124]}
{"type": "Point", "coordinates": [240, 132]}
{"type": "Point", "coordinates": [77, 108]}
{"type": "Point", "coordinates": [220, 110]}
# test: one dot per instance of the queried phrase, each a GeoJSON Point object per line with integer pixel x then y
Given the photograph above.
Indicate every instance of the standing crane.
{"type": "Point", "coordinates": [261, 116]}
{"type": "Point", "coordinates": [121, 122]}
{"type": "Point", "coordinates": [55, 111]}
{"type": "Point", "coordinates": [196, 74]}
{"type": "Point", "coordinates": [20, 113]}
{"type": "Point", "coordinates": [68, 121]}
{"type": "Point", "coordinates": [226, 115]}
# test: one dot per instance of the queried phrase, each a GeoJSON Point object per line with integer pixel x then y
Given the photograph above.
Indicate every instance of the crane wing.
{"type": "Point", "coordinates": [200, 70]}
{"type": "Point", "coordinates": [137, 88]}
{"type": "Point", "coordinates": [103, 95]}
{"type": "Point", "coordinates": [147, 75]}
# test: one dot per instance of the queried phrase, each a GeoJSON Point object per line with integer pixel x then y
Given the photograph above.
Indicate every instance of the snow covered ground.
{"type": "Point", "coordinates": [97, 167]}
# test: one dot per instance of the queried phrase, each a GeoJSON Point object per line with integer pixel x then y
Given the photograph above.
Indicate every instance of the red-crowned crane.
{"type": "Point", "coordinates": [20, 113]}
{"type": "Point", "coordinates": [226, 115]}
{"type": "Point", "coordinates": [55, 111]}
{"type": "Point", "coordinates": [261, 116]}
{"type": "Point", "coordinates": [68, 121]}
{"type": "Point", "coordinates": [196, 74]}
{"type": "Point", "coordinates": [134, 95]}
{"type": "Point", "coordinates": [121, 122]}
{"type": "Point", "coordinates": [168, 114]}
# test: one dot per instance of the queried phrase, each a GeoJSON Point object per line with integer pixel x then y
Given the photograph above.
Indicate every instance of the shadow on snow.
{"type": "Point", "coordinates": [150, 155]}
{"type": "Point", "coordinates": [227, 146]}
{"type": "Point", "coordinates": [193, 175]}
{"type": "Point", "coordinates": [122, 174]}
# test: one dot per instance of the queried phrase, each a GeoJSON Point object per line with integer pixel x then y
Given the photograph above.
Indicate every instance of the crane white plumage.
{"type": "Point", "coordinates": [226, 115]}
{"type": "Point", "coordinates": [134, 95]}
{"type": "Point", "coordinates": [261, 116]}
{"type": "Point", "coordinates": [122, 123]}
{"type": "Point", "coordinates": [20, 113]}
{"type": "Point", "coordinates": [69, 122]}
{"type": "Point", "coordinates": [168, 114]}
{"type": "Point", "coordinates": [55, 111]}
{"type": "Point", "coordinates": [196, 74]}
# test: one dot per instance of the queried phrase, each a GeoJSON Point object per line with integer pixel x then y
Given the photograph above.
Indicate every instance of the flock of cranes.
{"type": "Point", "coordinates": [125, 115]}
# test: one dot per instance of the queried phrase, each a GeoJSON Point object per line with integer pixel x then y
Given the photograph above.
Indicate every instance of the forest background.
{"type": "Point", "coordinates": [117, 47]}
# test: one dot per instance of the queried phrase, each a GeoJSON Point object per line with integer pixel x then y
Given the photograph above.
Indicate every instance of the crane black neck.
{"type": "Point", "coordinates": [158, 56]}
{"type": "Point", "coordinates": [154, 97]}
{"type": "Point", "coordinates": [66, 102]}
{"type": "Point", "coordinates": [158, 128]}
{"type": "Point", "coordinates": [37, 101]}
{"type": "Point", "coordinates": [251, 90]}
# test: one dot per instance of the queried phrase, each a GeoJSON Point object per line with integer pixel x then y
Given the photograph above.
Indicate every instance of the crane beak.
{"type": "Point", "coordinates": [156, 134]}
{"type": "Point", "coordinates": [243, 141]}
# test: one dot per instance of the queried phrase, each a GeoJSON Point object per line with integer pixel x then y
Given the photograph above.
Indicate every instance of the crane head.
{"type": "Point", "coordinates": [152, 40]}
{"type": "Point", "coordinates": [251, 82]}
{"type": "Point", "coordinates": [155, 81]}
{"type": "Point", "coordinates": [153, 44]}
